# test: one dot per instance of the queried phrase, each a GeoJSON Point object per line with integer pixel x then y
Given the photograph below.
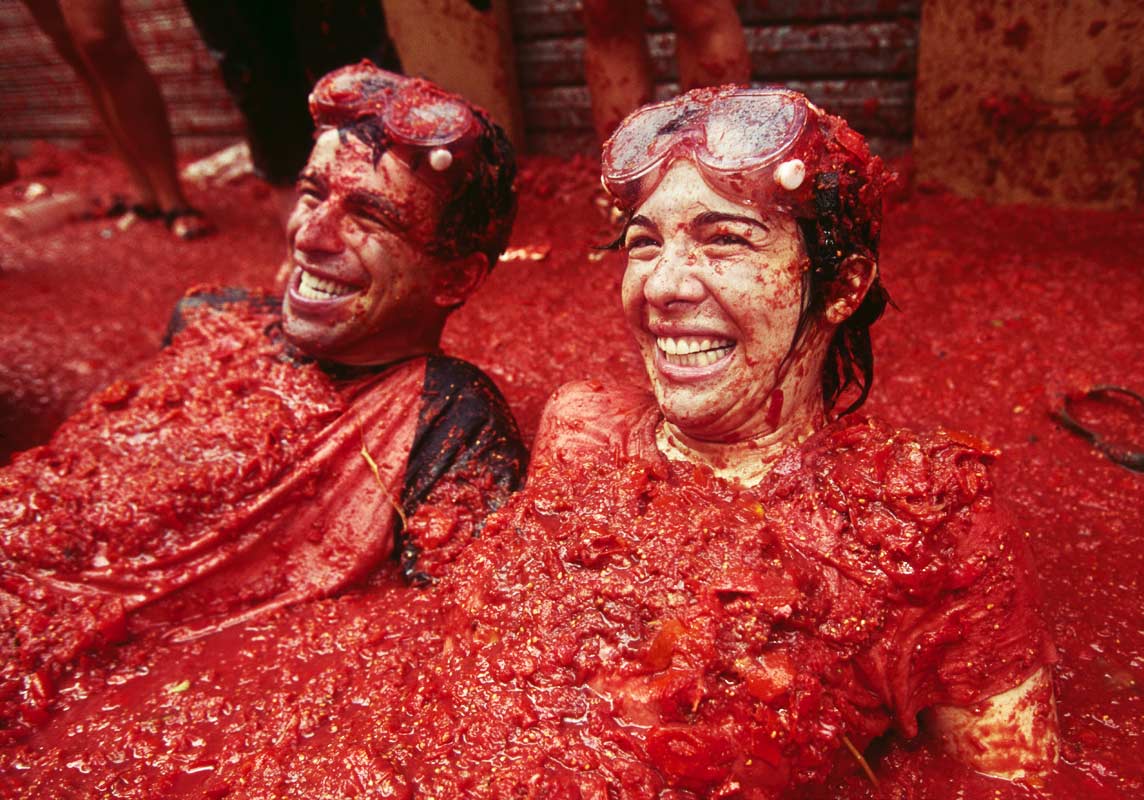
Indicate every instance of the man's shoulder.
{"type": "Point", "coordinates": [238, 304]}
{"type": "Point", "coordinates": [461, 391]}
{"type": "Point", "coordinates": [452, 374]}
{"type": "Point", "coordinates": [460, 403]}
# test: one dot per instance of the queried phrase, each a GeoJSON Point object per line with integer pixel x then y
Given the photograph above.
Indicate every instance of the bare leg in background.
{"type": "Point", "coordinates": [91, 37]}
{"type": "Point", "coordinates": [616, 61]}
{"type": "Point", "coordinates": [709, 43]}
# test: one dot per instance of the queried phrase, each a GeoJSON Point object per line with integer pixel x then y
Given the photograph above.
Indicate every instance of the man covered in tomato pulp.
{"type": "Point", "coordinates": [276, 452]}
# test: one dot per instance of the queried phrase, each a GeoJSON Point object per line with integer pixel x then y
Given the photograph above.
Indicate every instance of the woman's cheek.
{"type": "Point", "coordinates": [631, 290]}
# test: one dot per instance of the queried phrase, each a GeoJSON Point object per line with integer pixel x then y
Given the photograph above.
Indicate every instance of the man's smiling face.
{"type": "Point", "coordinates": [361, 289]}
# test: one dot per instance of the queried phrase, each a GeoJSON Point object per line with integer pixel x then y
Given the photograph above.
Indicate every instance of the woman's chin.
{"type": "Point", "coordinates": [694, 417]}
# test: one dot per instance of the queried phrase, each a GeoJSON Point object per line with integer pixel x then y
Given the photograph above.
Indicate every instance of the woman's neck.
{"type": "Point", "coordinates": [747, 461]}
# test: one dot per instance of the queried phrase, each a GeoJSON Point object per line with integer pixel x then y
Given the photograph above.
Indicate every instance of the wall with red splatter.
{"type": "Point", "coordinates": [1033, 101]}
{"type": "Point", "coordinates": [857, 58]}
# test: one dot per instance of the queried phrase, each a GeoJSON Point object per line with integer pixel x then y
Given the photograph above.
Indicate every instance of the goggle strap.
{"type": "Point", "coordinates": [828, 208]}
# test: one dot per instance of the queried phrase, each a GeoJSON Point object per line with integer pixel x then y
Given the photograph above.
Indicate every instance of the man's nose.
{"type": "Point", "coordinates": [674, 278]}
{"type": "Point", "coordinates": [320, 231]}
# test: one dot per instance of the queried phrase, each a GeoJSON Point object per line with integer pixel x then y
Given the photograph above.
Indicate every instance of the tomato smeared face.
{"type": "Point", "coordinates": [712, 293]}
{"type": "Point", "coordinates": [361, 286]}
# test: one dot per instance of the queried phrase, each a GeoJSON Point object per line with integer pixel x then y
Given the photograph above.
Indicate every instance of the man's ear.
{"type": "Point", "coordinates": [459, 279]}
{"type": "Point", "coordinates": [855, 277]}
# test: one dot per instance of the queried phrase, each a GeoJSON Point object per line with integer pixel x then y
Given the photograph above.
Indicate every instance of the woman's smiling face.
{"type": "Point", "coordinates": [712, 294]}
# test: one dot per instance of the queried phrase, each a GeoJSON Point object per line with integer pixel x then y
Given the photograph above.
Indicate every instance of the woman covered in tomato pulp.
{"type": "Point", "coordinates": [801, 581]}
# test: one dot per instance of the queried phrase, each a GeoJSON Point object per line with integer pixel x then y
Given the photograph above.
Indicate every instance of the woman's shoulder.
{"type": "Point", "coordinates": [918, 503]}
{"type": "Point", "coordinates": [586, 416]}
{"type": "Point", "coordinates": [590, 399]}
{"type": "Point", "coordinates": [868, 456]}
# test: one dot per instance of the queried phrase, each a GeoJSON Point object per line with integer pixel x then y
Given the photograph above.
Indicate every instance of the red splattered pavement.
{"type": "Point", "coordinates": [1003, 310]}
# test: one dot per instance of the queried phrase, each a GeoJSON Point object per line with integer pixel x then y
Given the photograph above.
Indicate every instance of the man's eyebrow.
{"type": "Point", "coordinates": [715, 217]}
{"type": "Point", "coordinates": [381, 205]}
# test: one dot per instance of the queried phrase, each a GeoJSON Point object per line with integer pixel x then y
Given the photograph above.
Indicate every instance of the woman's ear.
{"type": "Point", "coordinates": [459, 279]}
{"type": "Point", "coordinates": [855, 277]}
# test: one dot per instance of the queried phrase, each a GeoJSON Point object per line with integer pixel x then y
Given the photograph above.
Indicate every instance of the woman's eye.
{"type": "Point", "coordinates": [729, 240]}
{"type": "Point", "coordinates": [637, 242]}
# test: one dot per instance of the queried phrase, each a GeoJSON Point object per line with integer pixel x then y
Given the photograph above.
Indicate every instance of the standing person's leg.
{"type": "Point", "coordinates": [134, 107]}
{"type": "Point", "coordinates": [616, 61]}
{"type": "Point", "coordinates": [50, 21]}
{"type": "Point", "coordinates": [709, 42]}
{"type": "Point", "coordinates": [254, 44]}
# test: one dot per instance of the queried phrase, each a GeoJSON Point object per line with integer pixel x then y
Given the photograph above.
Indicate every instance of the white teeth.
{"type": "Point", "coordinates": [693, 351]}
{"type": "Point", "coordinates": [314, 288]}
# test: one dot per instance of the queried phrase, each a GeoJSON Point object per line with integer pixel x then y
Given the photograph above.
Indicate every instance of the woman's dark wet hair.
{"type": "Point", "coordinates": [480, 209]}
{"type": "Point", "coordinates": [844, 220]}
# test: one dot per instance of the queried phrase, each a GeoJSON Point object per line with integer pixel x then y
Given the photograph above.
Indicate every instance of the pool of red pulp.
{"type": "Point", "coordinates": [1002, 311]}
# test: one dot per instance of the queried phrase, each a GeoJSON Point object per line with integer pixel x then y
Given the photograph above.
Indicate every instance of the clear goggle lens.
{"type": "Point", "coordinates": [427, 120]}
{"type": "Point", "coordinates": [646, 136]}
{"type": "Point", "coordinates": [414, 112]}
{"type": "Point", "coordinates": [737, 132]}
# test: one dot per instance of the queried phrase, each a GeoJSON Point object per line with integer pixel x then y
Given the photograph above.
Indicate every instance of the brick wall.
{"type": "Point", "coordinates": [42, 99]}
{"type": "Point", "coordinates": [855, 57]}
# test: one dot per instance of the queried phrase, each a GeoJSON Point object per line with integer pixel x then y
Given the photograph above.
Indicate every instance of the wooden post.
{"type": "Point", "coordinates": [466, 51]}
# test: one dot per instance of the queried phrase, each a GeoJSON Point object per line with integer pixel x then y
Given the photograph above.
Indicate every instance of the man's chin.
{"type": "Point", "coordinates": [311, 338]}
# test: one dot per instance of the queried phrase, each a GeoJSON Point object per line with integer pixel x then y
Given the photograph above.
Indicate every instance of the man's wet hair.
{"type": "Point", "coordinates": [479, 211]}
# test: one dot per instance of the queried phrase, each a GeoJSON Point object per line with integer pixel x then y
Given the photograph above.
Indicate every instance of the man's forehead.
{"type": "Point", "coordinates": [336, 152]}
{"type": "Point", "coordinates": [346, 164]}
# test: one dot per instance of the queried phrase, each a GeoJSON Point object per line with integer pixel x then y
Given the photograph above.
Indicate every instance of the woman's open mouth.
{"type": "Point", "coordinates": [693, 351]}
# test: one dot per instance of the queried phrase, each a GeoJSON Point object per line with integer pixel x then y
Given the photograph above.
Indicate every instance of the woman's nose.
{"type": "Point", "coordinates": [320, 231]}
{"type": "Point", "coordinates": [674, 279]}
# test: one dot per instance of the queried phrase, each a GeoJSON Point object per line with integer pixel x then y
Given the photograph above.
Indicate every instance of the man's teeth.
{"type": "Point", "coordinates": [314, 288]}
{"type": "Point", "coordinates": [693, 351]}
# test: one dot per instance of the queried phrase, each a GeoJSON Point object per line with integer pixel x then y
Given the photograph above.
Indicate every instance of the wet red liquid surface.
{"type": "Point", "coordinates": [1003, 311]}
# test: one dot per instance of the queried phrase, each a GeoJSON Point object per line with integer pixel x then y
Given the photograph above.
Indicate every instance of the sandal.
{"type": "Point", "coordinates": [187, 223]}
{"type": "Point", "coordinates": [118, 207]}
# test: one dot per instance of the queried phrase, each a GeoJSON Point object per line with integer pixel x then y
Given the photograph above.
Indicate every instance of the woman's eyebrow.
{"type": "Point", "coordinates": [641, 220]}
{"type": "Point", "coordinates": [715, 217]}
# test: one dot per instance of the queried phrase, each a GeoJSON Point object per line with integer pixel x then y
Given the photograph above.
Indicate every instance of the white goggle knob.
{"type": "Point", "coordinates": [790, 174]}
{"type": "Point", "coordinates": [440, 159]}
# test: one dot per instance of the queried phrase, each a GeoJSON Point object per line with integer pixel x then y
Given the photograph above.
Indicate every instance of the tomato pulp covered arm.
{"type": "Point", "coordinates": [466, 459]}
{"type": "Point", "coordinates": [1011, 735]}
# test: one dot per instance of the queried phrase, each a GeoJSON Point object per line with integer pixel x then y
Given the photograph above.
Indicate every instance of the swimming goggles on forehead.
{"type": "Point", "coordinates": [429, 129]}
{"type": "Point", "coordinates": [750, 145]}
